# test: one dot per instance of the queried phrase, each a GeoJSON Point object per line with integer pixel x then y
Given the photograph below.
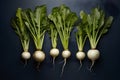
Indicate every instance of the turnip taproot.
{"type": "Point", "coordinates": [80, 55]}
{"type": "Point", "coordinates": [93, 54]}
{"type": "Point", "coordinates": [54, 53]}
{"type": "Point", "coordinates": [65, 54]}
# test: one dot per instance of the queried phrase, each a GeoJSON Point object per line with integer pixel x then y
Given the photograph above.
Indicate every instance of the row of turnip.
{"type": "Point", "coordinates": [60, 22]}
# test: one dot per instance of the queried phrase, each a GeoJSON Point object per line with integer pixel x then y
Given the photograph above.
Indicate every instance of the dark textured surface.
{"type": "Point", "coordinates": [12, 68]}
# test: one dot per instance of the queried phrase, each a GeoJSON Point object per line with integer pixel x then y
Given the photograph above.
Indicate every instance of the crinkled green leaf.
{"type": "Point", "coordinates": [64, 20]}
{"type": "Point", "coordinates": [20, 29]}
{"type": "Point", "coordinates": [107, 24]}
{"type": "Point", "coordinates": [37, 23]}
{"type": "Point", "coordinates": [97, 25]}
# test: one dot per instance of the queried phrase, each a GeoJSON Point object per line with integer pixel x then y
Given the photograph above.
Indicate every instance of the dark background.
{"type": "Point", "coordinates": [12, 68]}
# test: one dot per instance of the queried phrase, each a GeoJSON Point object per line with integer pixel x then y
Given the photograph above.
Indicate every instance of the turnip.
{"type": "Point", "coordinates": [81, 37]}
{"type": "Point", "coordinates": [37, 23]}
{"type": "Point", "coordinates": [25, 55]}
{"type": "Point", "coordinates": [54, 52]}
{"type": "Point", "coordinates": [65, 54]}
{"type": "Point", "coordinates": [93, 54]}
{"type": "Point", "coordinates": [80, 55]}
{"type": "Point", "coordinates": [39, 56]}
{"type": "Point", "coordinates": [20, 29]}
{"type": "Point", "coordinates": [97, 26]}
{"type": "Point", "coordinates": [64, 20]}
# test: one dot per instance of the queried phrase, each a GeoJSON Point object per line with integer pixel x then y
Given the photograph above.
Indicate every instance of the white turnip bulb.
{"type": "Point", "coordinates": [39, 56]}
{"type": "Point", "coordinates": [93, 55]}
{"type": "Point", "coordinates": [65, 54]}
{"type": "Point", "coordinates": [54, 53]}
{"type": "Point", "coordinates": [80, 55]}
{"type": "Point", "coordinates": [25, 55]}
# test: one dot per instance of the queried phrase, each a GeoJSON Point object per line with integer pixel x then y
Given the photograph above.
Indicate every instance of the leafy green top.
{"type": "Point", "coordinates": [64, 20]}
{"type": "Point", "coordinates": [97, 25]}
{"type": "Point", "coordinates": [20, 29]}
{"type": "Point", "coordinates": [52, 31]}
{"type": "Point", "coordinates": [81, 35]}
{"type": "Point", "coordinates": [36, 23]}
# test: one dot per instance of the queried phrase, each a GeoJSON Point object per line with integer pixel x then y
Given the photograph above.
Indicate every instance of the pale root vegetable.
{"type": "Point", "coordinates": [65, 54]}
{"type": "Point", "coordinates": [93, 55]}
{"type": "Point", "coordinates": [80, 56]}
{"type": "Point", "coordinates": [54, 53]}
{"type": "Point", "coordinates": [26, 55]}
{"type": "Point", "coordinates": [39, 56]}
{"type": "Point", "coordinates": [97, 26]}
{"type": "Point", "coordinates": [19, 27]}
{"type": "Point", "coordinates": [63, 19]}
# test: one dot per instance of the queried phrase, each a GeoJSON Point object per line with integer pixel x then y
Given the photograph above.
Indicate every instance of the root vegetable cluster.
{"type": "Point", "coordinates": [60, 23]}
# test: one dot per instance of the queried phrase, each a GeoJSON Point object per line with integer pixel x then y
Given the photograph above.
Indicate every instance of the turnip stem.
{"type": "Point", "coordinates": [92, 65]}
{"type": "Point", "coordinates": [63, 67]}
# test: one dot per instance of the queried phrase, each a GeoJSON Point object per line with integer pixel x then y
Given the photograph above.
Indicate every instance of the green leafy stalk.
{"type": "Point", "coordinates": [81, 35]}
{"type": "Point", "coordinates": [20, 29]}
{"type": "Point", "coordinates": [64, 20]}
{"type": "Point", "coordinates": [53, 34]}
{"type": "Point", "coordinates": [97, 25]}
{"type": "Point", "coordinates": [36, 23]}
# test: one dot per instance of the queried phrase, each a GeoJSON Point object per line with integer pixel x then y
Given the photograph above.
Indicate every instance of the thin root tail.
{"type": "Point", "coordinates": [80, 65]}
{"type": "Point", "coordinates": [91, 66]}
{"type": "Point", "coordinates": [63, 67]}
{"type": "Point", "coordinates": [53, 61]}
